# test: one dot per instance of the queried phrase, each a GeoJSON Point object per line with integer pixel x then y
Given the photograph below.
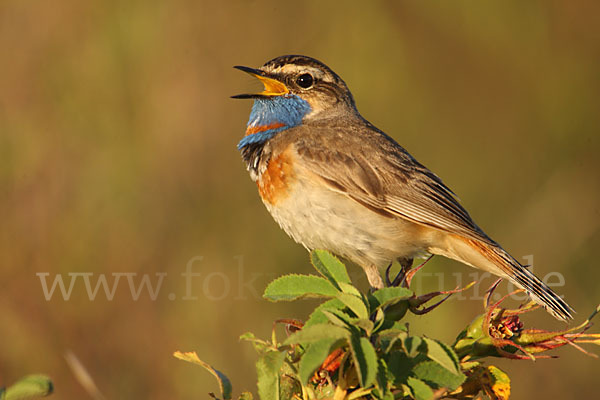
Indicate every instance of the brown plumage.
{"type": "Point", "coordinates": [347, 187]}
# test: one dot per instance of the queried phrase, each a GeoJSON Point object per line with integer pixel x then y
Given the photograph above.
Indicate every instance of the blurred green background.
{"type": "Point", "coordinates": [118, 155]}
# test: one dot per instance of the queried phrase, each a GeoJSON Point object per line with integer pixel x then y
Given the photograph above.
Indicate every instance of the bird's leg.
{"type": "Point", "coordinates": [399, 280]}
{"type": "Point", "coordinates": [374, 276]}
{"type": "Point", "coordinates": [388, 283]}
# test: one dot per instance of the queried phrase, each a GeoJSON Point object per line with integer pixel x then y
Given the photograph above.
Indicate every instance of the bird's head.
{"type": "Point", "coordinates": [297, 89]}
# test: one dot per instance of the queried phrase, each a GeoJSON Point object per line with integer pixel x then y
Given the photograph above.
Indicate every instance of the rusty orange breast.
{"type": "Point", "coordinates": [275, 182]}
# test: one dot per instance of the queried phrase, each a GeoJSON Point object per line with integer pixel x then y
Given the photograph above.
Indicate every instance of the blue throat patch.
{"type": "Point", "coordinates": [286, 110]}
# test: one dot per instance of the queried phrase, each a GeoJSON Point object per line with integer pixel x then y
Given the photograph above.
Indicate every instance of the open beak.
{"type": "Point", "coordinates": [272, 86]}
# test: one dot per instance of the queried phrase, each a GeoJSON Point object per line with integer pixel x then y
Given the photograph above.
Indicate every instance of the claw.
{"type": "Point", "coordinates": [405, 265]}
{"type": "Point", "coordinates": [410, 274]}
{"type": "Point", "coordinates": [425, 310]}
{"type": "Point", "coordinates": [406, 274]}
{"type": "Point", "coordinates": [489, 292]}
{"type": "Point", "coordinates": [418, 301]}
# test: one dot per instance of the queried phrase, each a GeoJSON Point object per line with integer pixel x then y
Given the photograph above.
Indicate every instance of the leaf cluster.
{"type": "Point", "coordinates": [355, 345]}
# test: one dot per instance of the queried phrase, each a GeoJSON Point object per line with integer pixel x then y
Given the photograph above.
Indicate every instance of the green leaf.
{"type": "Point", "coordinates": [365, 359]}
{"type": "Point", "coordinates": [412, 344]}
{"type": "Point", "coordinates": [246, 396]}
{"type": "Point", "coordinates": [400, 367]}
{"type": "Point", "coordinates": [378, 395]}
{"type": "Point", "coordinates": [330, 267]}
{"type": "Point", "coordinates": [317, 316]}
{"type": "Point", "coordinates": [29, 387]}
{"type": "Point", "coordinates": [395, 327]}
{"type": "Point", "coordinates": [248, 336]}
{"type": "Point", "coordinates": [294, 286]}
{"type": "Point", "coordinates": [364, 324]}
{"type": "Point", "coordinates": [450, 351]}
{"type": "Point", "coordinates": [383, 378]}
{"type": "Point", "coordinates": [314, 356]}
{"type": "Point", "coordinates": [342, 319]}
{"type": "Point", "coordinates": [419, 389]}
{"type": "Point", "coordinates": [441, 354]}
{"type": "Point", "coordinates": [267, 369]}
{"type": "Point", "coordinates": [469, 365]}
{"type": "Point", "coordinates": [289, 385]}
{"type": "Point", "coordinates": [339, 318]}
{"type": "Point", "coordinates": [391, 295]}
{"type": "Point", "coordinates": [348, 288]}
{"type": "Point", "coordinates": [314, 333]}
{"type": "Point", "coordinates": [355, 304]}
{"type": "Point", "coordinates": [378, 320]}
{"type": "Point", "coordinates": [224, 383]}
{"type": "Point", "coordinates": [389, 337]}
{"type": "Point", "coordinates": [389, 325]}
{"type": "Point", "coordinates": [259, 344]}
{"type": "Point", "coordinates": [499, 383]}
{"type": "Point", "coordinates": [437, 376]}
{"type": "Point", "coordinates": [388, 396]}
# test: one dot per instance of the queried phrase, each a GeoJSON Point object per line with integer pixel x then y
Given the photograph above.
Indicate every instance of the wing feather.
{"type": "Point", "coordinates": [374, 170]}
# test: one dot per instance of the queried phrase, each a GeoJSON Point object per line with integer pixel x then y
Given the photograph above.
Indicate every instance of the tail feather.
{"type": "Point", "coordinates": [541, 293]}
{"type": "Point", "coordinates": [533, 286]}
{"type": "Point", "coordinates": [496, 260]}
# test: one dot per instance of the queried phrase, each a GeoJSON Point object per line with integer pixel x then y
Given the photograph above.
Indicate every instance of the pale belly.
{"type": "Point", "coordinates": [321, 218]}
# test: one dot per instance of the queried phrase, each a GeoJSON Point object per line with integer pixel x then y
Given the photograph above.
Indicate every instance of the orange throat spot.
{"type": "Point", "coordinates": [261, 128]}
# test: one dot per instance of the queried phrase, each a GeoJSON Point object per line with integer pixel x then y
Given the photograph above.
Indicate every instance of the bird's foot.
{"type": "Point", "coordinates": [406, 274]}
{"type": "Point", "coordinates": [418, 301]}
{"type": "Point", "coordinates": [399, 280]}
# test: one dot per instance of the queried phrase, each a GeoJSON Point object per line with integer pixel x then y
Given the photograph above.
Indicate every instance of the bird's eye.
{"type": "Point", "coordinates": [305, 81]}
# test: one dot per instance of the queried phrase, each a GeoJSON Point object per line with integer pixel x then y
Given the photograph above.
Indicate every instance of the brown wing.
{"type": "Point", "coordinates": [374, 170]}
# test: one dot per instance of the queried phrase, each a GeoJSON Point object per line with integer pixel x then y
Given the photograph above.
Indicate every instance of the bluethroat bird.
{"type": "Point", "coordinates": [334, 181]}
